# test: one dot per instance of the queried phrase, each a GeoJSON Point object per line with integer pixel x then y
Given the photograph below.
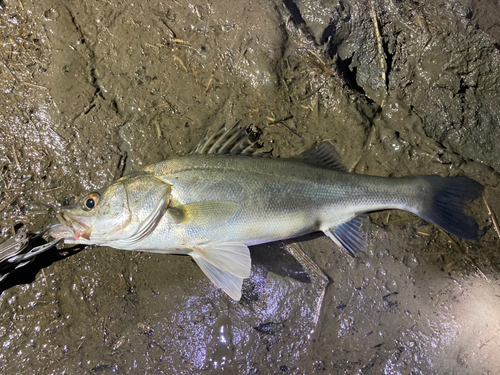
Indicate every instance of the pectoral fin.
{"type": "Point", "coordinates": [226, 264]}
{"type": "Point", "coordinates": [203, 213]}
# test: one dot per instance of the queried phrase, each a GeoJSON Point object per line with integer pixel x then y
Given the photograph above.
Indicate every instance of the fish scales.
{"type": "Point", "coordinates": [291, 197]}
{"type": "Point", "coordinates": [228, 195]}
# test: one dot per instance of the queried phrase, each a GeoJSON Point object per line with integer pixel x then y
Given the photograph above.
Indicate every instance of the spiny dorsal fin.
{"type": "Point", "coordinates": [324, 156]}
{"type": "Point", "coordinates": [236, 140]}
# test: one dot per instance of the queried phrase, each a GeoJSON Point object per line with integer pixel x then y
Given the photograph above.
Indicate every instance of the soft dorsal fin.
{"type": "Point", "coordinates": [324, 156]}
{"type": "Point", "coordinates": [235, 140]}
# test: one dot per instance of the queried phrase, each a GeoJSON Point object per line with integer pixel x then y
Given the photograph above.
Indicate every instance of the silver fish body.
{"type": "Point", "coordinates": [213, 204]}
{"type": "Point", "coordinates": [267, 199]}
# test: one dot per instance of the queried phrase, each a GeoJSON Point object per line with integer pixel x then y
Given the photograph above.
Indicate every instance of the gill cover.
{"type": "Point", "coordinates": [148, 199]}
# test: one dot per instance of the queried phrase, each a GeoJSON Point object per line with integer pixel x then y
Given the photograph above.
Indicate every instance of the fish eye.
{"type": "Point", "coordinates": [90, 201]}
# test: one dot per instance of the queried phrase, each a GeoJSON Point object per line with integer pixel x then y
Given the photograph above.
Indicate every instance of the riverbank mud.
{"type": "Point", "coordinates": [93, 90]}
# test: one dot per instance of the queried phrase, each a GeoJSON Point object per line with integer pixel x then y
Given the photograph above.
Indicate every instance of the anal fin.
{"type": "Point", "coordinates": [349, 235]}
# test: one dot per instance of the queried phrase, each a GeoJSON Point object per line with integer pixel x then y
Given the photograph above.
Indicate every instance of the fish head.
{"type": "Point", "coordinates": [115, 213]}
{"type": "Point", "coordinates": [96, 216]}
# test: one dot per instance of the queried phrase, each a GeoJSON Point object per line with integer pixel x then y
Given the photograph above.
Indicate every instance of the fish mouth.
{"type": "Point", "coordinates": [71, 228]}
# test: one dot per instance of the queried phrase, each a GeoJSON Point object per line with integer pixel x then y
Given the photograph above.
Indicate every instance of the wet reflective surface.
{"type": "Point", "coordinates": [93, 90]}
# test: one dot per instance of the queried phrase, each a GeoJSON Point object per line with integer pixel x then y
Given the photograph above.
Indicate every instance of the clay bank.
{"type": "Point", "coordinates": [92, 91]}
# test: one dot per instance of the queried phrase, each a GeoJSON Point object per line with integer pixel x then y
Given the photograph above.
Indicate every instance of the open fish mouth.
{"type": "Point", "coordinates": [61, 231]}
{"type": "Point", "coordinates": [69, 228]}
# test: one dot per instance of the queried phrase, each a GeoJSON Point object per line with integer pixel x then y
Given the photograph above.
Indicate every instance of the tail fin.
{"type": "Point", "coordinates": [444, 201]}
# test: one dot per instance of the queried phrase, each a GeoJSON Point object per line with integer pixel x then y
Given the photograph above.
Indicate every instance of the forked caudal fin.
{"type": "Point", "coordinates": [443, 202]}
{"type": "Point", "coordinates": [440, 201]}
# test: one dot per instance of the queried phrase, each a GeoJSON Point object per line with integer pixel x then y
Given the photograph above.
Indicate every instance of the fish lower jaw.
{"type": "Point", "coordinates": [62, 232]}
{"type": "Point", "coordinates": [80, 241]}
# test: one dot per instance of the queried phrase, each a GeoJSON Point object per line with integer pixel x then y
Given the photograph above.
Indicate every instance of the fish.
{"type": "Point", "coordinates": [228, 194]}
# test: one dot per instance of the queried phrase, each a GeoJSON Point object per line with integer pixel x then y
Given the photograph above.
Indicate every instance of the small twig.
{"type": "Point", "coordinates": [316, 55]}
{"type": "Point", "coordinates": [10, 71]}
{"type": "Point", "coordinates": [9, 203]}
{"type": "Point", "coordinates": [492, 217]}
{"type": "Point", "coordinates": [209, 83]}
{"type": "Point", "coordinates": [388, 217]}
{"type": "Point", "coordinates": [282, 122]}
{"type": "Point", "coordinates": [319, 65]}
{"type": "Point", "coordinates": [181, 62]}
{"type": "Point", "coordinates": [459, 248]}
{"type": "Point", "coordinates": [33, 85]}
{"type": "Point", "coordinates": [15, 157]}
{"type": "Point", "coordinates": [410, 218]}
{"type": "Point", "coordinates": [380, 47]}
{"type": "Point", "coordinates": [345, 308]}
{"type": "Point", "coordinates": [53, 189]}
{"type": "Point", "coordinates": [311, 94]}
{"type": "Point", "coordinates": [79, 346]}
{"type": "Point", "coordinates": [45, 279]}
{"type": "Point", "coordinates": [164, 105]}
{"type": "Point", "coordinates": [120, 343]}
{"type": "Point", "coordinates": [353, 167]}
{"type": "Point", "coordinates": [180, 41]}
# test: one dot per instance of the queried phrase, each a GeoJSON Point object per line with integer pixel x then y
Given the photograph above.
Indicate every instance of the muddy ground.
{"type": "Point", "coordinates": [91, 90]}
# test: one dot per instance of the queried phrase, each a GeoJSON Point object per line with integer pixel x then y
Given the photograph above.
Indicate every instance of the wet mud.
{"type": "Point", "coordinates": [93, 90]}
